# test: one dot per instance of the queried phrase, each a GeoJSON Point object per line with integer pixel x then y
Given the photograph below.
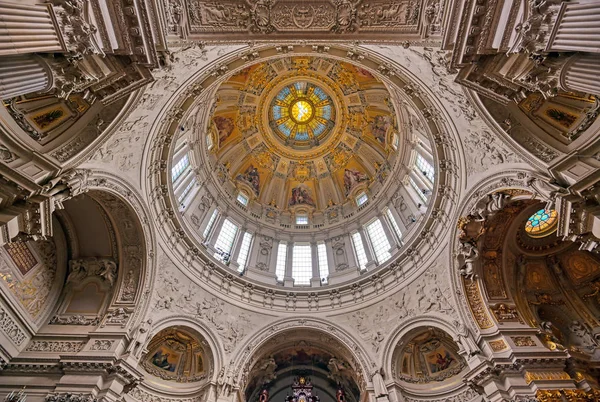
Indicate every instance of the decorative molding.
{"type": "Point", "coordinates": [466, 395]}
{"type": "Point", "coordinates": [498, 345]}
{"type": "Point", "coordinates": [10, 327]}
{"type": "Point", "coordinates": [523, 341]}
{"type": "Point", "coordinates": [69, 397]}
{"type": "Point", "coordinates": [141, 395]}
{"type": "Point", "coordinates": [476, 303]}
{"type": "Point", "coordinates": [74, 320]}
{"type": "Point", "coordinates": [55, 346]}
{"type": "Point", "coordinates": [102, 344]}
{"type": "Point", "coordinates": [531, 376]}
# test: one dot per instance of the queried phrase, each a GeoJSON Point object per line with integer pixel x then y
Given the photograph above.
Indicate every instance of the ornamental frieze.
{"type": "Point", "coordinates": [279, 17]}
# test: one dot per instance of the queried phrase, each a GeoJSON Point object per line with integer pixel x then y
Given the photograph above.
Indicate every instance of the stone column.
{"type": "Point", "coordinates": [288, 279]}
{"type": "Point", "coordinates": [237, 246]}
{"type": "Point", "coordinates": [28, 28]}
{"type": "Point", "coordinates": [394, 244]}
{"type": "Point", "coordinates": [23, 74]}
{"type": "Point", "coordinates": [581, 73]}
{"type": "Point", "coordinates": [330, 260]}
{"type": "Point", "coordinates": [215, 231]}
{"type": "Point", "coordinates": [371, 263]}
{"type": "Point", "coordinates": [273, 257]}
{"type": "Point", "coordinates": [316, 276]}
{"type": "Point", "coordinates": [577, 28]}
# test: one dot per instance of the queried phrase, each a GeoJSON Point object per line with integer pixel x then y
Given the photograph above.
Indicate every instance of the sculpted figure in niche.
{"type": "Point", "coordinates": [136, 346]}
{"type": "Point", "coordinates": [468, 254]}
{"type": "Point", "coordinates": [378, 384]}
{"type": "Point", "coordinates": [488, 207]}
{"type": "Point", "coordinates": [464, 337]}
{"type": "Point", "coordinates": [551, 336]}
{"type": "Point", "coordinates": [78, 271]}
{"type": "Point", "coordinates": [336, 368]}
{"type": "Point", "coordinates": [352, 178]}
{"type": "Point", "coordinates": [108, 271]}
{"type": "Point", "coordinates": [581, 336]}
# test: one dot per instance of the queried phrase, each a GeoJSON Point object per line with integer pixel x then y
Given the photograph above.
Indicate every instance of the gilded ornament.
{"type": "Point", "coordinates": [476, 304]}
{"type": "Point", "coordinates": [498, 345]}
{"type": "Point", "coordinates": [531, 376]}
{"type": "Point", "coordinates": [523, 341]}
{"type": "Point", "coordinates": [504, 313]}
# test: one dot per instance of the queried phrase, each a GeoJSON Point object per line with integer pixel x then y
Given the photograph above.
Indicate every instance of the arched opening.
{"type": "Point", "coordinates": [304, 361]}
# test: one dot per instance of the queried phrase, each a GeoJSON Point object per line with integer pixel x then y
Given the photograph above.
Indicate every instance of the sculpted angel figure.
{"type": "Point", "coordinates": [468, 254]}
{"type": "Point", "coordinates": [139, 338]}
{"type": "Point", "coordinates": [108, 271]}
{"type": "Point", "coordinates": [78, 271]}
{"type": "Point", "coordinates": [464, 337]}
{"type": "Point", "coordinates": [378, 384]}
{"type": "Point", "coordinates": [489, 206]}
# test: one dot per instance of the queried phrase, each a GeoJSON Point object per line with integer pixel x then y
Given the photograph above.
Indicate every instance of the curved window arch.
{"type": "Point", "coordinates": [542, 223]}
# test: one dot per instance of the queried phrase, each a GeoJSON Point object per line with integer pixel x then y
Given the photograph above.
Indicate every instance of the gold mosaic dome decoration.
{"type": "Point", "coordinates": [303, 132]}
{"type": "Point", "coordinates": [302, 114]}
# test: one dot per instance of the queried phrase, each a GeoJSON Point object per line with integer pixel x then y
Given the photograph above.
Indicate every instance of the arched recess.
{"type": "Point", "coordinates": [451, 383]}
{"type": "Point", "coordinates": [527, 292]}
{"type": "Point", "coordinates": [110, 246]}
{"type": "Point", "coordinates": [213, 343]}
{"type": "Point", "coordinates": [323, 333]}
{"type": "Point", "coordinates": [485, 198]}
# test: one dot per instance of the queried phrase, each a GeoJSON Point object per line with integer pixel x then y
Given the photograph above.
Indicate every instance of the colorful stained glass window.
{"type": "Point", "coordinates": [542, 223]}
{"type": "Point", "coordinates": [302, 114]}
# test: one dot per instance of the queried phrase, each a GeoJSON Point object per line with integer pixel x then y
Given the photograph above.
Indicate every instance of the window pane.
{"type": "Point", "coordinates": [425, 168]}
{"type": "Point", "coordinates": [301, 264]}
{"type": "Point", "coordinates": [179, 167]}
{"type": "Point", "coordinates": [380, 242]}
{"type": "Point", "coordinates": [225, 241]}
{"type": "Point", "coordinates": [187, 190]}
{"type": "Point", "coordinates": [359, 249]}
{"type": "Point", "coordinates": [394, 224]}
{"type": "Point", "coordinates": [281, 257]}
{"type": "Point", "coordinates": [244, 251]}
{"type": "Point", "coordinates": [242, 199]}
{"type": "Point", "coordinates": [323, 265]}
{"type": "Point", "coordinates": [301, 220]}
{"type": "Point", "coordinates": [417, 189]}
{"type": "Point", "coordinates": [211, 222]}
{"type": "Point", "coordinates": [361, 199]}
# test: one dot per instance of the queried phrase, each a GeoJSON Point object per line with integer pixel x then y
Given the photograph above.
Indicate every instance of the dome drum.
{"type": "Point", "coordinates": [345, 204]}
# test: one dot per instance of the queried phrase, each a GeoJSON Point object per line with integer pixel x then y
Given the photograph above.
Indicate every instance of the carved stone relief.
{"type": "Point", "coordinates": [279, 17]}
{"type": "Point", "coordinates": [32, 289]}
{"type": "Point", "coordinates": [55, 346]}
{"type": "Point", "coordinates": [177, 295]}
{"type": "Point", "coordinates": [425, 295]}
{"type": "Point", "coordinates": [11, 328]}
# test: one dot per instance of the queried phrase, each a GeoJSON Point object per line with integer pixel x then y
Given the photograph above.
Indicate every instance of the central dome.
{"type": "Point", "coordinates": [310, 170]}
{"type": "Point", "coordinates": [302, 114]}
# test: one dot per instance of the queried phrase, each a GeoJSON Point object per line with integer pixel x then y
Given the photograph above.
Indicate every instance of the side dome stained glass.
{"type": "Point", "coordinates": [302, 114]}
{"type": "Point", "coordinates": [542, 223]}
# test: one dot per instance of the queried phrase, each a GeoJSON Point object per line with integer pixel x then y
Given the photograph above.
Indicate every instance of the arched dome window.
{"type": "Point", "coordinates": [542, 223]}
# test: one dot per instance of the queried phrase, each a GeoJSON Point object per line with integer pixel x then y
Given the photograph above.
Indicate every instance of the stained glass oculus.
{"type": "Point", "coordinates": [302, 114]}
{"type": "Point", "coordinates": [542, 223]}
